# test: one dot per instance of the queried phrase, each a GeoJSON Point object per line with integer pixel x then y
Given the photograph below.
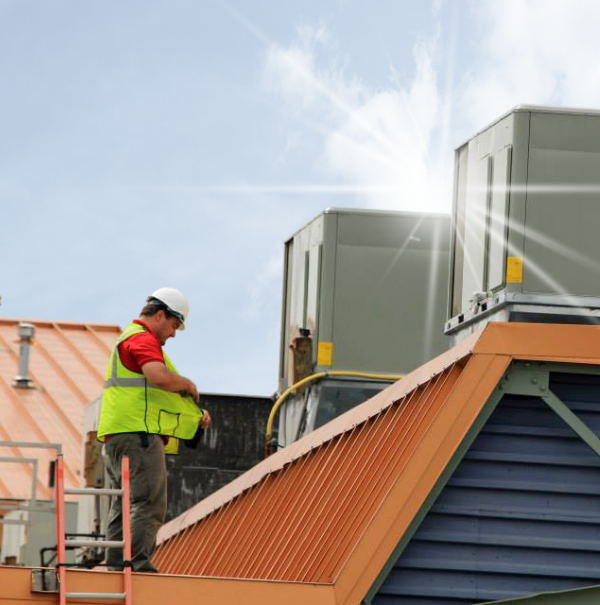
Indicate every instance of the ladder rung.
{"type": "Point", "coordinates": [62, 543]}
{"type": "Point", "coordinates": [96, 543]}
{"type": "Point", "coordinates": [96, 595]}
{"type": "Point", "coordinates": [93, 491]}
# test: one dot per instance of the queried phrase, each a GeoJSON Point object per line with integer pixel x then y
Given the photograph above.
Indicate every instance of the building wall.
{"type": "Point", "coordinates": [234, 444]}
{"type": "Point", "coordinates": [520, 515]}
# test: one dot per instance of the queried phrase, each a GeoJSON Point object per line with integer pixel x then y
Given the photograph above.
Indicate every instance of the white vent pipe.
{"type": "Point", "coordinates": [26, 334]}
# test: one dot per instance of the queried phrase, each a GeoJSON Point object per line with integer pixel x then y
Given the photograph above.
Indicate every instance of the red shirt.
{"type": "Point", "coordinates": [138, 350]}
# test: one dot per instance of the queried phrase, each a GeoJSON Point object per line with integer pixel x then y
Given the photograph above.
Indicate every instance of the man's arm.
{"type": "Point", "coordinates": [161, 377]}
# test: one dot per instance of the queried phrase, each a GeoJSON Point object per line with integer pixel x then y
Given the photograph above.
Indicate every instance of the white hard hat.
{"type": "Point", "coordinates": [175, 302]}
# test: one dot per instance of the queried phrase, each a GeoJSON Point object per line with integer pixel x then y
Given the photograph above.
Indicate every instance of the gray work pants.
{"type": "Point", "coordinates": [148, 496]}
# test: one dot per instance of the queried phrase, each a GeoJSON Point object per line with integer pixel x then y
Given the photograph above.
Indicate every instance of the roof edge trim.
{"type": "Point", "coordinates": [159, 588]}
{"type": "Point", "coordinates": [458, 422]}
{"type": "Point", "coordinates": [57, 322]}
{"type": "Point", "coordinates": [456, 458]}
{"type": "Point", "coordinates": [560, 597]}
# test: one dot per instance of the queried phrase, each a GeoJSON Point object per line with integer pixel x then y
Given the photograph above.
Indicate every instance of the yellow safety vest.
{"type": "Point", "coordinates": [131, 404]}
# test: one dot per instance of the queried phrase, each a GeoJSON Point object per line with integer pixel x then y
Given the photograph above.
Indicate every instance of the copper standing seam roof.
{"type": "Point", "coordinates": [67, 365]}
{"type": "Point", "coordinates": [330, 508]}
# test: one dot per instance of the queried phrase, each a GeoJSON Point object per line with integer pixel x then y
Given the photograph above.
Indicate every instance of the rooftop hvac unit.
{"type": "Point", "coordinates": [526, 214]}
{"type": "Point", "coordinates": [364, 291]}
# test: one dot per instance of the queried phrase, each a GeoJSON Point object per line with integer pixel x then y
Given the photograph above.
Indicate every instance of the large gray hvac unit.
{"type": "Point", "coordinates": [369, 289]}
{"type": "Point", "coordinates": [526, 244]}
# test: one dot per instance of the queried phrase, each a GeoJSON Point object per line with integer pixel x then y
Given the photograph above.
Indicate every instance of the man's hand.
{"type": "Point", "coordinates": [206, 420]}
{"type": "Point", "coordinates": [192, 391]}
{"type": "Point", "coordinates": [160, 376]}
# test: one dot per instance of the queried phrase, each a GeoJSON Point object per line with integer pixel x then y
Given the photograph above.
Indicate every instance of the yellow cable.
{"type": "Point", "coordinates": [312, 378]}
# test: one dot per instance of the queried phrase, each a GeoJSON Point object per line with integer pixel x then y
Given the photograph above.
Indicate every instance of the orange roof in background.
{"type": "Point", "coordinates": [330, 508]}
{"type": "Point", "coordinates": [67, 365]}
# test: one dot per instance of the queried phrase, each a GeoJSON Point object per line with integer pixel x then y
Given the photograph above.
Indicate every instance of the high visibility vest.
{"type": "Point", "coordinates": [131, 404]}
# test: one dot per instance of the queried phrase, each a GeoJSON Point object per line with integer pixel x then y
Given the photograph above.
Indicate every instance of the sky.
{"type": "Point", "coordinates": [180, 143]}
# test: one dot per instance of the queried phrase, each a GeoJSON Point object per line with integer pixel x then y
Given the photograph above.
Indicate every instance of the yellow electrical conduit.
{"type": "Point", "coordinates": [313, 378]}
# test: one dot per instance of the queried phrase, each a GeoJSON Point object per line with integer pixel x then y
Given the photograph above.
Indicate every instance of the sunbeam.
{"type": "Point", "coordinates": [354, 116]}
{"type": "Point", "coordinates": [368, 151]}
{"type": "Point", "coordinates": [542, 239]}
{"type": "Point", "coordinates": [289, 189]}
{"type": "Point", "coordinates": [434, 290]}
{"type": "Point", "coordinates": [322, 88]}
{"type": "Point", "coordinates": [399, 253]}
{"type": "Point", "coordinates": [549, 280]}
{"type": "Point", "coordinates": [447, 104]}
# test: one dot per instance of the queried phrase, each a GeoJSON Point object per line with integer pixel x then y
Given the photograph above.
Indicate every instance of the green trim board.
{"type": "Point", "coordinates": [533, 379]}
{"type": "Point", "coordinates": [590, 595]}
{"type": "Point", "coordinates": [571, 419]}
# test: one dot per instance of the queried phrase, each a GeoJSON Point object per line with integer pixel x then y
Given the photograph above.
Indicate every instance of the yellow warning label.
{"type": "Point", "coordinates": [514, 270]}
{"type": "Point", "coordinates": [325, 354]}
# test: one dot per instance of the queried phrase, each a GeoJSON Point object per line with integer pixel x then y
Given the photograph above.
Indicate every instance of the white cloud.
{"type": "Point", "coordinates": [437, 6]}
{"type": "Point", "coordinates": [264, 287]}
{"type": "Point", "coordinates": [287, 71]}
{"type": "Point", "coordinates": [534, 51]}
{"type": "Point", "coordinates": [378, 141]}
{"type": "Point", "coordinates": [394, 150]}
{"type": "Point", "coordinates": [394, 144]}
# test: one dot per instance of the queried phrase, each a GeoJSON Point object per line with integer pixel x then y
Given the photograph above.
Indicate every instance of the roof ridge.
{"type": "Point", "coordinates": [59, 322]}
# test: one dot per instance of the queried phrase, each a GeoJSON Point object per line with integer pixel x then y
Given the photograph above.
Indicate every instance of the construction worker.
{"type": "Point", "coordinates": [145, 402]}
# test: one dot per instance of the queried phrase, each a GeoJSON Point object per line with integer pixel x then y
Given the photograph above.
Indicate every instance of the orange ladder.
{"type": "Point", "coordinates": [62, 542]}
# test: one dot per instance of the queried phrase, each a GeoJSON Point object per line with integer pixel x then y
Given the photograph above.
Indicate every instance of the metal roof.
{"type": "Point", "coordinates": [302, 513]}
{"type": "Point", "coordinates": [322, 480]}
{"type": "Point", "coordinates": [67, 364]}
{"type": "Point", "coordinates": [331, 508]}
{"type": "Point", "coordinates": [150, 589]}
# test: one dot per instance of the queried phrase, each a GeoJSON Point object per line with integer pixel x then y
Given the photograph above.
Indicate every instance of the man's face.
{"type": "Point", "coordinates": [166, 327]}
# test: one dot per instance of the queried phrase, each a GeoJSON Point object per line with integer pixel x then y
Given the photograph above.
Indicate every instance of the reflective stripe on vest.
{"type": "Point", "coordinates": [115, 381]}
{"type": "Point", "coordinates": [131, 404]}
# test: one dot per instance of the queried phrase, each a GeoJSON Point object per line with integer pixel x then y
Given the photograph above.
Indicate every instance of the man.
{"type": "Point", "coordinates": [145, 401]}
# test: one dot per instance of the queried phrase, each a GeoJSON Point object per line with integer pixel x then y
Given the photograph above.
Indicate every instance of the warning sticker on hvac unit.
{"type": "Point", "coordinates": [514, 270]}
{"type": "Point", "coordinates": [325, 354]}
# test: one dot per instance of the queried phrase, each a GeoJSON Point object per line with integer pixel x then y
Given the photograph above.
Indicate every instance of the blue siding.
{"type": "Point", "coordinates": [520, 515]}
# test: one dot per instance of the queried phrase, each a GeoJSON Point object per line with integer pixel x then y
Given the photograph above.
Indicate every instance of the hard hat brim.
{"type": "Point", "coordinates": [178, 315]}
